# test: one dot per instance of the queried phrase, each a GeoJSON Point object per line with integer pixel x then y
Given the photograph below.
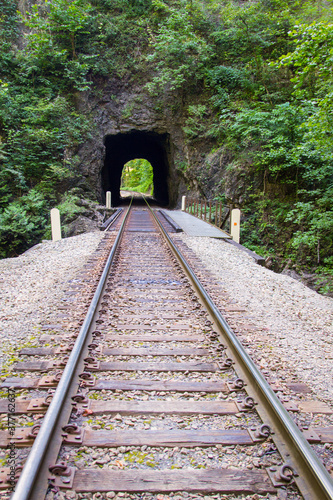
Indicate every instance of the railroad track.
{"type": "Point", "coordinates": [155, 396]}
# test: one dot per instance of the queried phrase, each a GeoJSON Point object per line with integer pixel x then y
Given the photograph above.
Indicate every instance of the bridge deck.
{"type": "Point", "coordinates": [195, 227]}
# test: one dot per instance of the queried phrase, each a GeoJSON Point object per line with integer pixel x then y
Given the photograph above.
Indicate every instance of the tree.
{"type": "Point", "coordinates": [138, 176]}
{"type": "Point", "coordinates": [56, 27]}
{"type": "Point", "coordinates": [313, 86]}
{"type": "Point", "coordinates": [178, 52]}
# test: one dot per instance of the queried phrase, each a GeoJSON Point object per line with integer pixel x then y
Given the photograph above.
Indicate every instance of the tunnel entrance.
{"type": "Point", "coordinates": [123, 147]}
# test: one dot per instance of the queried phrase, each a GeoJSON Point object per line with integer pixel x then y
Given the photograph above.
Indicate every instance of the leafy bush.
{"type": "Point", "coordinates": [179, 54]}
{"type": "Point", "coordinates": [195, 125]}
{"type": "Point", "coordinates": [8, 33]}
{"type": "Point", "coordinates": [228, 77]}
{"type": "Point", "coordinates": [55, 47]}
{"type": "Point", "coordinates": [37, 131]}
{"type": "Point", "coordinates": [22, 223]}
{"type": "Point", "coordinates": [69, 208]}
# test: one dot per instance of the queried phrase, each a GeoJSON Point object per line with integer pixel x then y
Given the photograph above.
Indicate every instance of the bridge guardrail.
{"type": "Point", "coordinates": [218, 214]}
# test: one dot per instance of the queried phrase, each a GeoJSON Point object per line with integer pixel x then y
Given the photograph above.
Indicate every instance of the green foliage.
{"type": "Point", "coordinates": [195, 123]}
{"type": "Point", "coordinates": [312, 64]}
{"type": "Point", "coordinates": [69, 208]}
{"type": "Point", "coordinates": [251, 76]}
{"type": "Point", "coordinates": [249, 30]}
{"type": "Point", "coordinates": [311, 59]}
{"type": "Point", "coordinates": [37, 130]}
{"type": "Point", "coordinates": [178, 52]}
{"type": "Point", "coordinates": [275, 119]}
{"type": "Point", "coordinates": [8, 32]}
{"type": "Point", "coordinates": [279, 144]}
{"type": "Point", "coordinates": [131, 7]}
{"type": "Point", "coordinates": [272, 138]}
{"type": "Point", "coordinates": [56, 40]}
{"type": "Point", "coordinates": [64, 45]}
{"type": "Point", "coordinates": [228, 77]}
{"type": "Point", "coordinates": [137, 176]}
{"type": "Point", "coordinates": [313, 86]}
{"type": "Point", "coordinates": [22, 223]}
{"type": "Point", "coordinates": [33, 165]}
{"type": "Point", "coordinates": [314, 230]}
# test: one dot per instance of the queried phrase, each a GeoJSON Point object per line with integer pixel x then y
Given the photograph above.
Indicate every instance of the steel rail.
{"type": "Point", "coordinates": [313, 476]}
{"type": "Point", "coordinates": [39, 448]}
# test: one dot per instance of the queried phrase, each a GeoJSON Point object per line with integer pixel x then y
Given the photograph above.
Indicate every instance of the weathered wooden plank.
{"type": "Point", "coordinates": [156, 407]}
{"type": "Point", "coordinates": [37, 351]}
{"type": "Point", "coordinates": [149, 337]}
{"type": "Point", "coordinates": [161, 385]}
{"type": "Point", "coordinates": [153, 308]}
{"type": "Point", "coordinates": [195, 481]}
{"type": "Point", "coordinates": [124, 351]}
{"type": "Point", "coordinates": [54, 327]}
{"type": "Point", "coordinates": [152, 351]}
{"type": "Point", "coordinates": [180, 326]}
{"type": "Point", "coordinates": [235, 308]}
{"type": "Point", "coordinates": [184, 438]}
{"type": "Point", "coordinates": [20, 383]}
{"type": "Point", "coordinates": [299, 387]}
{"type": "Point", "coordinates": [156, 366]}
{"type": "Point", "coordinates": [146, 295]}
{"type": "Point", "coordinates": [131, 385]}
{"type": "Point", "coordinates": [139, 267]}
{"type": "Point", "coordinates": [33, 366]}
{"type": "Point", "coordinates": [142, 337]}
{"type": "Point", "coordinates": [139, 273]}
{"type": "Point", "coordinates": [314, 407]}
{"type": "Point", "coordinates": [20, 438]}
{"type": "Point", "coordinates": [137, 299]}
{"type": "Point", "coordinates": [325, 433]}
{"type": "Point", "coordinates": [4, 439]}
{"type": "Point", "coordinates": [151, 315]}
{"type": "Point", "coordinates": [44, 366]}
{"type": "Point", "coordinates": [20, 406]}
{"type": "Point", "coordinates": [159, 289]}
{"type": "Point", "coordinates": [56, 338]}
{"type": "Point", "coordinates": [150, 287]}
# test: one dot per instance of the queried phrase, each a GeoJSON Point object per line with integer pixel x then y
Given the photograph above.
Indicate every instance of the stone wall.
{"type": "Point", "coordinates": [122, 110]}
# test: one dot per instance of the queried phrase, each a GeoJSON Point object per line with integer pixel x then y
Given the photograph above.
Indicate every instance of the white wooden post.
{"type": "Point", "coordinates": [183, 203]}
{"type": "Point", "coordinates": [108, 199]}
{"type": "Point", "coordinates": [235, 224]}
{"type": "Point", "coordinates": [55, 224]}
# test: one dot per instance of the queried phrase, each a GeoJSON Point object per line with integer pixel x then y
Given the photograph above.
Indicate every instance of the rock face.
{"type": "Point", "coordinates": [127, 125]}
{"type": "Point", "coordinates": [233, 182]}
{"type": "Point", "coordinates": [81, 225]}
{"type": "Point", "coordinates": [91, 218]}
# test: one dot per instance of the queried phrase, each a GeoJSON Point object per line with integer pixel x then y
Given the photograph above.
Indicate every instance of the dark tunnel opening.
{"type": "Point", "coordinates": [123, 147]}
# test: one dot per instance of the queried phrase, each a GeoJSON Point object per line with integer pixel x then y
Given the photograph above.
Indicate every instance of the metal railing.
{"type": "Point", "coordinates": [214, 212]}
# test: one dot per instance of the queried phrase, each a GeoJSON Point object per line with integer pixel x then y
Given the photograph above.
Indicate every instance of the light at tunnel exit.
{"type": "Point", "coordinates": [121, 148]}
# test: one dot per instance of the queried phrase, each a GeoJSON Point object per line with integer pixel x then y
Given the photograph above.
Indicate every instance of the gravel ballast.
{"type": "Point", "coordinates": [299, 319]}
{"type": "Point", "coordinates": [299, 322]}
{"type": "Point", "coordinates": [32, 285]}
